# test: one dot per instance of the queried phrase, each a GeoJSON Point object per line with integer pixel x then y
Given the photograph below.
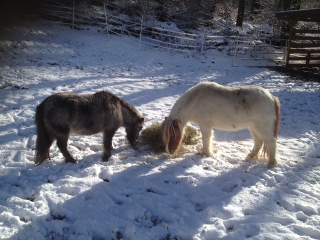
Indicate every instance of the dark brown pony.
{"type": "Point", "coordinates": [61, 114]}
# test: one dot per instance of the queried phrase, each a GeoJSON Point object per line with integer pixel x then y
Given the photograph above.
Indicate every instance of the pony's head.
{"type": "Point", "coordinates": [133, 130]}
{"type": "Point", "coordinates": [171, 134]}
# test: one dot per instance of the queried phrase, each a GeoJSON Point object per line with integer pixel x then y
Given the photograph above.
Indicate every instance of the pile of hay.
{"type": "Point", "coordinates": [190, 136]}
{"type": "Point", "coordinates": [152, 137]}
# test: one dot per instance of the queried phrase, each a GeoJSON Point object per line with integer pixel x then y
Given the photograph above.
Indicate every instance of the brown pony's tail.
{"type": "Point", "coordinates": [276, 123]}
{"type": "Point", "coordinates": [43, 141]}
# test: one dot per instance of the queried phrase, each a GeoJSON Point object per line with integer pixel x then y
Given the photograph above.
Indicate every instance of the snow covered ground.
{"type": "Point", "coordinates": [138, 194]}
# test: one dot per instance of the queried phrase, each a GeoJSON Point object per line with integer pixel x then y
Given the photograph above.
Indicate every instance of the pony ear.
{"type": "Point", "coordinates": [176, 123]}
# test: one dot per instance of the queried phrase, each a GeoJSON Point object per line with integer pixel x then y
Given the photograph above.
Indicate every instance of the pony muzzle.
{"type": "Point", "coordinates": [169, 151]}
{"type": "Point", "coordinates": [133, 142]}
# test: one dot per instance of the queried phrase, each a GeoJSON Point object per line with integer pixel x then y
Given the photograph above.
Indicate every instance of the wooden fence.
{"type": "Point", "coordinates": [303, 44]}
{"type": "Point", "coordinates": [303, 48]}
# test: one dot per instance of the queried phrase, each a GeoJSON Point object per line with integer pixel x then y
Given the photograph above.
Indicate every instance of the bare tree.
{"type": "Point", "coordinates": [240, 13]}
{"type": "Point", "coordinates": [255, 7]}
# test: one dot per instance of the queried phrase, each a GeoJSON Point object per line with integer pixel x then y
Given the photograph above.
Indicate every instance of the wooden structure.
{"type": "Point", "coordinates": [304, 44]}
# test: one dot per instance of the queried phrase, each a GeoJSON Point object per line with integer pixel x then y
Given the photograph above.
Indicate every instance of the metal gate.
{"type": "Point", "coordinates": [259, 52]}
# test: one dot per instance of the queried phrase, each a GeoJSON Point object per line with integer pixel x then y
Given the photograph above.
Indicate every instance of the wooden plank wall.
{"type": "Point", "coordinates": [303, 48]}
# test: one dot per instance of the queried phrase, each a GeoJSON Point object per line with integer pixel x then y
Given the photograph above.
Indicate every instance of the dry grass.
{"type": "Point", "coordinates": [152, 137]}
{"type": "Point", "coordinates": [190, 136]}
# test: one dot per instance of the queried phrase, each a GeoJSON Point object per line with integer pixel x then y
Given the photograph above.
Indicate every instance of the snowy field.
{"type": "Point", "coordinates": [138, 194]}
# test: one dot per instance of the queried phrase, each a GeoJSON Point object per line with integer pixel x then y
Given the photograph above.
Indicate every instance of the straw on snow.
{"type": "Point", "coordinates": [152, 137]}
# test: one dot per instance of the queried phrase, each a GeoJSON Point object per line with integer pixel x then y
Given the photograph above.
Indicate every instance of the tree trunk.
{"type": "Point", "coordinates": [240, 13]}
{"type": "Point", "coordinates": [255, 6]}
{"type": "Point", "coordinates": [288, 5]}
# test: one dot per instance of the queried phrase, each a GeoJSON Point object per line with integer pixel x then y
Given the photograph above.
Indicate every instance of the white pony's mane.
{"type": "Point", "coordinates": [178, 112]}
{"type": "Point", "coordinates": [166, 126]}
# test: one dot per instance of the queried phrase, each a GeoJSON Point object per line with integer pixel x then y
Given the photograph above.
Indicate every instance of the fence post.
{"type": "Point", "coordinates": [285, 53]}
{"type": "Point", "coordinates": [140, 37]}
{"type": "Point", "coordinates": [202, 42]}
{"type": "Point", "coordinates": [106, 17]}
{"type": "Point", "coordinates": [236, 42]}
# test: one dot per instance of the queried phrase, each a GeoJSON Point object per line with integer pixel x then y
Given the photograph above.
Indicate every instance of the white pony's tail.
{"type": "Point", "coordinates": [276, 124]}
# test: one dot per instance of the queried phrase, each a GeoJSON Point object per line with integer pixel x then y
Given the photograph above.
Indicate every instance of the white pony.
{"type": "Point", "coordinates": [210, 105]}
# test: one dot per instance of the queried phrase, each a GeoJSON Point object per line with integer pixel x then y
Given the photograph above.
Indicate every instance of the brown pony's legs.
{"type": "Point", "coordinates": [43, 149]}
{"type": "Point", "coordinates": [62, 145]}
{"type": "Point", "coordinates": [107, 143]}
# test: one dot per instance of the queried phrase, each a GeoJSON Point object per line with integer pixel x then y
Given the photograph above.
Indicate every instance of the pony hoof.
{"type": "Point", "coordinates": [37, 163]}
{"type": "Point", "coordinates": [271, 164]}
{"type": "Point", "coordinates": [105, 157]}
{"type": "Point", "coordinates": [71, 160]}
{"type": "Point", "coordinates": [252, 156]}
{"type": "Point", "coordinates": [207, 154]}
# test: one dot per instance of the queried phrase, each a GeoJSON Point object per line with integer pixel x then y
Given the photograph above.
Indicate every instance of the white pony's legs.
{"type": "Point", "coordinates": [257, 145]}
{"type": "Point", "coordinates": [206, 133]}
{"type": "Point", "coordinates": [264, 135]}
{"type": "Point", "coordinates": [272, 148]}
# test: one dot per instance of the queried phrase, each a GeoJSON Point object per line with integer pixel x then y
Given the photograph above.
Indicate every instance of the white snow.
{"type": "Point", "coordinates": [139, 194]}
